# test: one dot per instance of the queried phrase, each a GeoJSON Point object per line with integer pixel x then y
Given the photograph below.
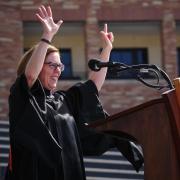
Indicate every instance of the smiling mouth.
{"type": "Point", "coordinates": [54, 78]}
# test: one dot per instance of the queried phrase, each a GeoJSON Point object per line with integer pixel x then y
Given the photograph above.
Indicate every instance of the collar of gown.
{"type": "Point", "coordinates": [48, 92]}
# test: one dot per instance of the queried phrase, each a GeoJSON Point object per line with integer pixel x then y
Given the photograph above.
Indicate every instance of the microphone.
{"type": "Point", "coordinates": [96, 65]}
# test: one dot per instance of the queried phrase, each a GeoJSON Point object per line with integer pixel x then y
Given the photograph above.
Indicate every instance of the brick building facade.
{"type": "Point", "coordinates": [116, 95]}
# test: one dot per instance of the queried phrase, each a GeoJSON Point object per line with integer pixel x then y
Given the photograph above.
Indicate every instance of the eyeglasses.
{"type": "Point", "coordinates": [54, 66]}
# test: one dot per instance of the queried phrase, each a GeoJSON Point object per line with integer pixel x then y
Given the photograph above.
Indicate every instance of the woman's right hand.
{"type": "Point", "coordinates": [50, 28]}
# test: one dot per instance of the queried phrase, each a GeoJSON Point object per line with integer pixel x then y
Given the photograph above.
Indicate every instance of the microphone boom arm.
{"type": "Point", "coordinates": [136, 69]}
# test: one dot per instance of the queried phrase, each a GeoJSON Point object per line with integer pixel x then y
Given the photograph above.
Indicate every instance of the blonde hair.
{"type": "Point", "coordinates": [26, 57]}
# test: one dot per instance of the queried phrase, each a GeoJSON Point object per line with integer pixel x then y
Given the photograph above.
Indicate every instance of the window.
{"type": "Point", "coordinates": [66, 60]}
{"type": "Point", "coordinates": [129, 56]}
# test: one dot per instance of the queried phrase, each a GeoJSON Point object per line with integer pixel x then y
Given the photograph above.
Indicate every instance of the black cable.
{"type": "Point", "coordinates": [136, 70]}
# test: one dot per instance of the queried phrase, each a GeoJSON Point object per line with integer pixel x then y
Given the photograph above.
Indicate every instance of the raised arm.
{"type": "Point", "coordinates": [50, 28]}
{"type": "Point", "coordinates": [107, 39]}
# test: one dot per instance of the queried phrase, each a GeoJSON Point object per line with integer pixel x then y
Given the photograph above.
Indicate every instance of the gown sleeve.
{"type": "Point", "coordinates": [28, 132]}
{"type": "Point", "coordinates": [84, 102]}
{"type": "Point", "coordinates": [86, 107]}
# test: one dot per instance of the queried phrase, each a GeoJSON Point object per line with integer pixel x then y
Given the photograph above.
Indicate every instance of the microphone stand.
{"type": "Point", "coordinates": [138, 70]}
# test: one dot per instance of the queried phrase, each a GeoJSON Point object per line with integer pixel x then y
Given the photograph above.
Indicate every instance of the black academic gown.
{"type": "Point", "coordinates": [48, 136]}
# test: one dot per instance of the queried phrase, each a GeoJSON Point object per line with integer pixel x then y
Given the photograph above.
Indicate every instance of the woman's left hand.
{"type": "Point", "coordinates": [107, 38]}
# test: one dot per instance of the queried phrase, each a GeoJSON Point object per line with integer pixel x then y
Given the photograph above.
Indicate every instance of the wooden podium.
{"type": "Point", "coordinates": [156, 126]}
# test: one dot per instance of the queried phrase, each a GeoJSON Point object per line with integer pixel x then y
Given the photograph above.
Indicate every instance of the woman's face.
{"type": "Point", "coordinates": [51, 71]}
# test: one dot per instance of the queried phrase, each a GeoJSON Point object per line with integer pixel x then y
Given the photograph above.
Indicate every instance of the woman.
{"type": "Point", "coordinates": [44, 124]}
{"type": "Point", "coordinates": [47, 131]}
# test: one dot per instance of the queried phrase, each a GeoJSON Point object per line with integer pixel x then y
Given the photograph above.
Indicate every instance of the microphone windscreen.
{"type": "Point", "coordinates": [93, 65]}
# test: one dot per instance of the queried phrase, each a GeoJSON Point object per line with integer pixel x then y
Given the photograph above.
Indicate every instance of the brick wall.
{"type": "Point", "coordinates": [116, 95]}
{"type": "Point", "coordinates": [10, 48]}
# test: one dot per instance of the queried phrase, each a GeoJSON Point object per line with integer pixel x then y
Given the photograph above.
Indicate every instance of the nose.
{"type": "Point", "coordinates": [57, 70]}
